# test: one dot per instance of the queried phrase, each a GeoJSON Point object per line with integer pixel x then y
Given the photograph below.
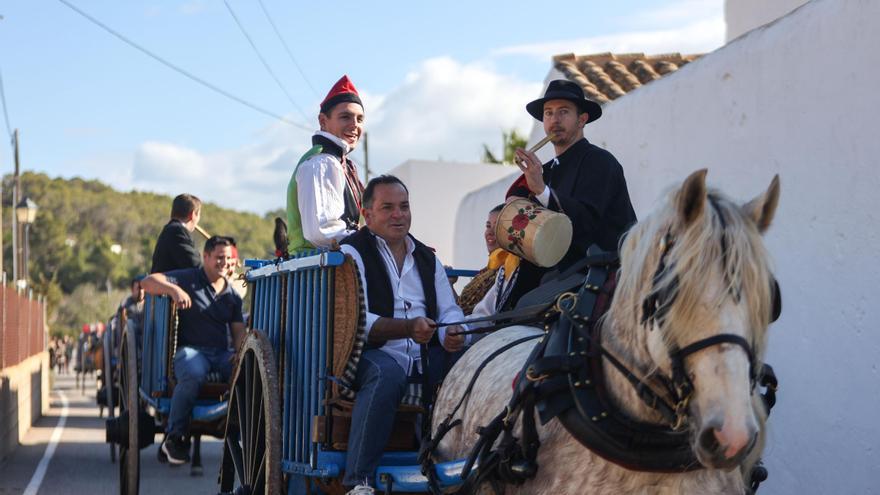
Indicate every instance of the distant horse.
{"type": "Point", "coordinates": [701, 258]}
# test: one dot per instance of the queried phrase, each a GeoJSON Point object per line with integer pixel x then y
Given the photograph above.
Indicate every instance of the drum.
{"type": "Point", "coordinates": [533, 232]}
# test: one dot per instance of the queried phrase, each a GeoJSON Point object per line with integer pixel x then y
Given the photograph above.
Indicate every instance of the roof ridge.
{"type": "Point", "coordinates": [607, 76]}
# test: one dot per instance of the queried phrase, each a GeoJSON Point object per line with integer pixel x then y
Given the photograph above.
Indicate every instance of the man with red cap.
{"type": "Point", "coordinates": [324, 194]}
{"type": "Point", "coordinates": [583, 181]}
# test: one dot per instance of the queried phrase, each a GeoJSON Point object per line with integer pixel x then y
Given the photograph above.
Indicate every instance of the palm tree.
{"type": "Point", "coordinates": [510, 142]}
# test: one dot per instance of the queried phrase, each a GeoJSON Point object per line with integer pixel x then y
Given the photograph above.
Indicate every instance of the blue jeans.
{"type": "Point", "coordinates": [191, 366]}
{"type": "Point", "coordinates": [380, 385]}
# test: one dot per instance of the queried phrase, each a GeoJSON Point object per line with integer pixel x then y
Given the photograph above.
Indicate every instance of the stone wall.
{"type": "Point", "coordinates": [24, 397]}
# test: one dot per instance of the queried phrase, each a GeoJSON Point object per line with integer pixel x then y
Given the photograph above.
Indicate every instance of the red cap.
{"type": "Point", "coordinates": [341, 92]}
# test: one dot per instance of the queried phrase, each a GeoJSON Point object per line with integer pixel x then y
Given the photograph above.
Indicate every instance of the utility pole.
{"type": "Point", "coordinates": [366, 158]}
{"type": "Point", "coordinates": [15, 191]}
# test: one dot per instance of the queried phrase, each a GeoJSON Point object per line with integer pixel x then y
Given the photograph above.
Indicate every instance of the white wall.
{"type": "Point", "coordinates": [741, 16]}
{"type": "Point", "coordinates": [801, 98]}
{"type": "Point", "coordinates": [470, 221]}
{"type": "Point", "coordinates": [435, 191]}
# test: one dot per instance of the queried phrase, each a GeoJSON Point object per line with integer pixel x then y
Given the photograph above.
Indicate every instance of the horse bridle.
{"type": "Point", "coordinates": [679, 387]}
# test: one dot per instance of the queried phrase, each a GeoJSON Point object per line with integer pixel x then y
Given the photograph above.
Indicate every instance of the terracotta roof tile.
{"type": "Point", "coordinates": [608, 76]}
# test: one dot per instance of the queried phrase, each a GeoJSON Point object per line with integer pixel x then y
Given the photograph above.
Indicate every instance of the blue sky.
{"type": "Point", "coordinates": [438, 80]}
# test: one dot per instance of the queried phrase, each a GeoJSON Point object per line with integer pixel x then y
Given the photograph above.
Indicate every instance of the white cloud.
{"type": "Point", "coordinates": [443, 109]}
{"type": "Point", "coordinates": [684, 27]}
{"type": "Point", "coordinates": [680, 13]}
{"type": "Point", "coordinates": [156, 160]}
{"type": "Point", "coordinates": [252, 178]}
{"type": "Point", "coordinates": [192, 8]}
{"type": "Point", "coordinates": [446, 109]}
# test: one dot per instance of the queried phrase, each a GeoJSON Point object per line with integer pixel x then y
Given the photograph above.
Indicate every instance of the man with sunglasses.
{"type": "Point", "coordinates": [207, 306]}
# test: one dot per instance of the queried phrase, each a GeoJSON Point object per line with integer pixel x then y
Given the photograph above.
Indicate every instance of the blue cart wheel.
{"type": "Point", "coordinates": [109, 383]}
{"type": "Point", "coordinates": [129, 404]}
{"type": "Point", "coordinates": [252, 445]}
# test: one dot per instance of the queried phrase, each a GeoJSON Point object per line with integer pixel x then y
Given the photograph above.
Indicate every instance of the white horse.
{"type": "Point", "coordinates": [717, 264]}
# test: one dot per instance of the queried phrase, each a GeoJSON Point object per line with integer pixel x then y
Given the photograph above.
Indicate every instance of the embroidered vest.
{"type": "Point", "coordinates": [296, 241]}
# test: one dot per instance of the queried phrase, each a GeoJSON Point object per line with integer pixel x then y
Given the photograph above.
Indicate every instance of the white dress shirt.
{"type": "Point", "coordinates": [320, 189]}
{"type": "Point", "coordinates": [409, 300]}
{"type": "Point", "coordinates": [544, 197]}
{"type": "Point", "coordinates": [488, 305]}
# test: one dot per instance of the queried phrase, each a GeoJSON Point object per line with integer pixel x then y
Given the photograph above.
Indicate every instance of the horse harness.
{"type": "Point", "coordinates": [563, 378]}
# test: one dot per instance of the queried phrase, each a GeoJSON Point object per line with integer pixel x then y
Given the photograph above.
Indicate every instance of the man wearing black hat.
{"type": "Point", "coordinates": [584, 181]}
{"type": "Point", "coordinates": [324, 193]}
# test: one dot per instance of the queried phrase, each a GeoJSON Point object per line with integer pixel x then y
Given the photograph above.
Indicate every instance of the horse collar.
{"type": "Point", "coordinates": [571, 360]}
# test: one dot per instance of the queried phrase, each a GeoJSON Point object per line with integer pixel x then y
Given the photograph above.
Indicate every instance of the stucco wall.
{"type": "Point", "coordinates": [800, 98]}
{"type": "Point", "coordinates": [470, 221]}
{"type": "Point", "coordinates": [435, 191]}
{"type": "Point", "coordinates": [741, 16]}
{"type": "Point", "coordinates": [24, 397]}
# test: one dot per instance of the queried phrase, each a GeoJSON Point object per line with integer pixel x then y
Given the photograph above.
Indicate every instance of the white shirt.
{"type": "Point", "coordinates": [544, 197]}
{"type": "Point", "coordinates": [320, 190]}
{"type": "Point", "coordinates": [486, 306]}
{"type": "Point", "coordinates": [409, 300]}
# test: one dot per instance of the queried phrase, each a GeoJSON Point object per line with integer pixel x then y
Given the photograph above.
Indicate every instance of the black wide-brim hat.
{"type": "Point", "coordinates": [563, 89]}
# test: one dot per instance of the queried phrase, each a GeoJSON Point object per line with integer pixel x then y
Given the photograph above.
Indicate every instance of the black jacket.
{"type": "Point", "coordinates": [175, 249]}
{"type": "Point", "coordinates": [588, 185]}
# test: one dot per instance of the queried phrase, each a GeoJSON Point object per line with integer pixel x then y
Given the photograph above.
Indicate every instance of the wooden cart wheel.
{"type": "Point", "coordinates": [129, 403]}
{"type": "Point", "coordinates": [109, 383]}
{"type": "Point", "coordinates": [252, 445]}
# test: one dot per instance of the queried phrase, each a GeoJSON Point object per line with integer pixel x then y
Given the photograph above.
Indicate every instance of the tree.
{"type": "Point", "coordinates": [86, 233]}
{"type": "Point", "coordinates": [510, 141]}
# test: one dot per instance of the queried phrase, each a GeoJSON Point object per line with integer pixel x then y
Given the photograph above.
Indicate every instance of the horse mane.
{"type": "Point", "coordinates": [694, 258]}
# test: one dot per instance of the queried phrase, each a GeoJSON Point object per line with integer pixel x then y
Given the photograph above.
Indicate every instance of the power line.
{"type": "Point", "coordinates": [289, 53]}
{"type": "Point", "coordinates": [184, 72]}
{"type": "Point", "coordinates": [5, 113]}
{"type": "Point", "coordinates": [263, 60]}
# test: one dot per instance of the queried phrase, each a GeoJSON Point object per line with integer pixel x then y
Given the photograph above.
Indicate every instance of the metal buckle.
{"type": "Point", "coordinates": [563, 298]}
{"type": "Point", "coordinates": [508, 414]}
{"type": "Point", "coordinates": [530, 375]}
{"type": "Point", "coordinates": [681, 413]}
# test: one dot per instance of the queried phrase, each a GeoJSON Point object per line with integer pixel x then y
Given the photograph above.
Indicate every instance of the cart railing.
{"type": "Point", "coordinates": [156, 337]}
{"type": "Point", "coordinates": [293, 304]}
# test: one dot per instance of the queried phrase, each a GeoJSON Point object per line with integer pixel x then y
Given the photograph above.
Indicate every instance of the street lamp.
{"type": "Point", "coordinates": [25, 213]}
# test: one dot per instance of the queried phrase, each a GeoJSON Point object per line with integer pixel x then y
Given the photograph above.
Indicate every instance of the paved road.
{"type": "Point", "coordinates": [81, 462]}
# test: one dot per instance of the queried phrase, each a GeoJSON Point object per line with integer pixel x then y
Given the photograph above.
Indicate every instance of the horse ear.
{"type": "Point", "coordinates": [762, 208]}
{"type": "Point", "coordinates": [691, 198]}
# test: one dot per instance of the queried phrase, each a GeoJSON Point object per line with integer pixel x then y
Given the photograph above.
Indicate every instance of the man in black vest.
{"type": "Point", "coordinates": [584, 181]}
{"type": "Point", "coordinates": [406, 293]}
{"type": "Point", "coordinates": [175, 248]}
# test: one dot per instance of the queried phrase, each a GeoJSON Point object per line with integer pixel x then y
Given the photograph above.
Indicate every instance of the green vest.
{"type": "Point", "coordinates": [296, 242]}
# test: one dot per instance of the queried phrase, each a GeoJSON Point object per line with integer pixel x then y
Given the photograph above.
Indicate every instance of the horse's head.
{"type": "Point", "coordinates": [696, 290]}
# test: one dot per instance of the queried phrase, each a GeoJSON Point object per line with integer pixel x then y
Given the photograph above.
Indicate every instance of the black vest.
{"type": "Point", "coordinates": [351, 215]}
{"type": "Point", "coordinates": [379, 293]}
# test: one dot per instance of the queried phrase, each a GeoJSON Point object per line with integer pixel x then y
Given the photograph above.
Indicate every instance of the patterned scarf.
{"type": "Point", "coordinates": [354, 183]}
